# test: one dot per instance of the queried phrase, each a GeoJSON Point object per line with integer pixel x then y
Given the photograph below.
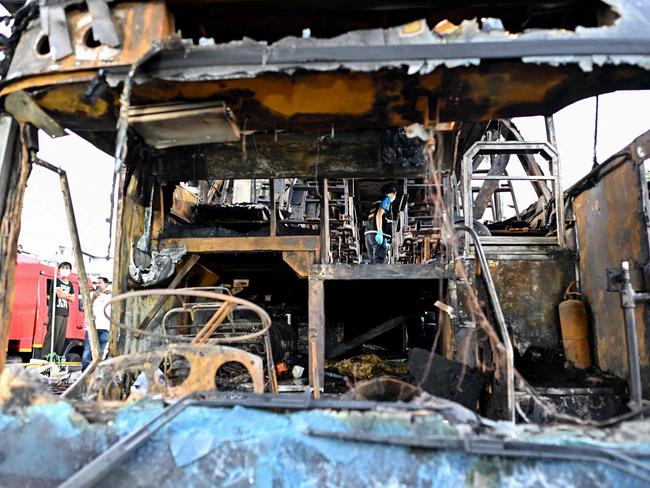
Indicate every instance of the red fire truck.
{"type": "Point", "coordinates": [33, 286]}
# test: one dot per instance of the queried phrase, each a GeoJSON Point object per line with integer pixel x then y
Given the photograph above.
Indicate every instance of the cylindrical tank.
{"type": "Point", "coordinates": [573, 322]}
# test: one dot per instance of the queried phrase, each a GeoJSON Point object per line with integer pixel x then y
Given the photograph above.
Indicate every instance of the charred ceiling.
{"type": "Point", "coordinates": [232, 20]}
{"type": "Point", "coordinates": [370, 68]}
{"type": "Point", "coordinates": [379, 66]}
{"type": "Point", "coordinates": [308, 102]}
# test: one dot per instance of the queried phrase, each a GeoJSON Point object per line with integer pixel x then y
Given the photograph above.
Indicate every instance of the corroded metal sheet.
{"type": "Point", "coordinates": [298, 100]}
{"type": "Point", "coordinates": [185, 369]}
{"type": "Point", "coordinates": [611, 228]}
{"type": "Point", "coordinates": [530, 291]}
{"type": "Point", "coordinates": [139, 24]}
{"type": "Point", "coordinates": [472, 75]}
{"type": "Point", "coordinates": [306, 101]}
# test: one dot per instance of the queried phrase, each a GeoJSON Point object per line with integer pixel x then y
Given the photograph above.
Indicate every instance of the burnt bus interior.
{"type": "Point", "coordinates": [255, 183]}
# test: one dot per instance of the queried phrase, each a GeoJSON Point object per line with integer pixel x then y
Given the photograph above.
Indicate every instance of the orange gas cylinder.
{"type": "Point", "coordinates": [573, 322]}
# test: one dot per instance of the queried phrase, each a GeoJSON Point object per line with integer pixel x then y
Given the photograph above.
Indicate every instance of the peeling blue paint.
{"type": "Point", "coordinates": [247, 447]}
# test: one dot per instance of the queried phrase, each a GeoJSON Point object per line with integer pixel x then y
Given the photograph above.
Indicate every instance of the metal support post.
{"type": "Point", "coordinates": [500, 319]}
{"type": "Point", "coordinates": [78, 256]}
{"type": "Point", "coordinates": [556, 168]}
{"type": "Point", "coordinates": [16, 171]}
{"type": "Point", "coordinates": [53, 300]}
{"type": "Point", "coordinates": [274, 217]}
{"type": "Point", "coordinates": [325, 223]}
{"type": "Point", "coordinates": [629, 299]}
{"type": "Point", "coordinates": [550, 131]}
{"type": "Point", "coordinates": [316, 335]}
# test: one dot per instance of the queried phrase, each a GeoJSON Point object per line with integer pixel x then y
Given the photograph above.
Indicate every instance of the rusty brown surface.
{"type": "Point", "coordinates": [222, 313]}
{"type": "Point", "coordinates": [244, 244]}
{"type": "Point", "coordinates": [289, 99]}
{"type": "Point", "coordinates": [10, 230]}
{"type": "Point", "coordinates": [49, 80]}
{"type": "Point", "coordinates": [139, 24]}
{"type": "Point", "coordinates": [307, 101]}
{"type": "Point", "coordinates": [530, 291]}
{"type": "Point", "coordinates": [185, 369]}
{"type": "Point", "coordinates": [390, 97]}
{"type": "Point", "coordinates": [611, 228]}
{"type": "Point", "coordinates": [129, 218]}
{"type": "Point", "coordinates": [120, 183]}
{"type": "Point", "coordinates": [68, 105]}
{"type": "Point", "coordinates": [25, 110]}
{"type": "Point", "coordinates": [300, 261]}
{"type": "Point", "coordinates": [138, 301]}
{"type": "Point", "coordinates": [316, 335]}
{"type": "Point", "coordinates": [183, 202]}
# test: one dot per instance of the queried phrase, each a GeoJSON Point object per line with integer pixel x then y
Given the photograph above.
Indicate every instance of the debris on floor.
{"type": "Point", "coordinates": [445, 378]}
{"type": "Point", "coordinates": [367, 366]}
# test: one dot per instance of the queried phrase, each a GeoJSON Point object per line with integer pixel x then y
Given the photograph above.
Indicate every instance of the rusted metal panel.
{"type": "Point", "coordinates": [22, 106]}
{"type": "Point", "coordinates": [299, 261]}
{"type": "Point", "coordinates": [139, 24]}
{"type": "Point", "coordinates": [611, 227]}
{"type": "Point", "coordinates": [244, 244]}
{"type": "Point", "coordinates": [130, 216]}
{"type": "Point", "coordinates": [530, 291]}
{"type": "Point", "coordinates": [70, 106]}
{"type": "Point", "coordinates": [187, 369]}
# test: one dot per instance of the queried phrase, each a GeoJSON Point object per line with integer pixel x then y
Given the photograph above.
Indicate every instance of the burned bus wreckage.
{"type": "Point", "coordinates": [503, 340]}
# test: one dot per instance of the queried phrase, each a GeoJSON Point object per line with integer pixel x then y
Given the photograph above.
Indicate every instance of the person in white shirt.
{"type": "Point", "coordinates": [101, 297]}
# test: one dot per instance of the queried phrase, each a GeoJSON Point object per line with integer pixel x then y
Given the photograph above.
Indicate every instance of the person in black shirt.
{"type": "Point", "coordinates": [64, 297]}
{"type": "Point", "coordinates": [378, 225]}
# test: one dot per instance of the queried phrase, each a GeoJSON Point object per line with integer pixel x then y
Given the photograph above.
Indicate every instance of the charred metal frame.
{"type": "Point", "coordinates": [227, 303]}
{"type": "Point", "coordinates": [483, 148]}
{"type": "Point", "coordinates": [500, 319]}
{"type": "Point", "coordinates": [76, 247]}
{"type": "Point", "coordinates": [319, 274]}
{"type": "Point", "coordinates": [165, 65]}
{"type": "Point", "coordinates": [204, 361]}
{"type": "Point", "coordinates": [173, 61]}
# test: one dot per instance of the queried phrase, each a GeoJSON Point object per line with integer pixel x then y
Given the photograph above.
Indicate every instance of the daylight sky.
{"type": "Point", "coordinates": [622, 117]}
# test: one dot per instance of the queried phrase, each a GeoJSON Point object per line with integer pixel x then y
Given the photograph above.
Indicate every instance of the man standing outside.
{"type": "Point", "coordinates": [55, 339]}
{"type": "Point", "coordinates": [378, 227]}
{"type": "Point", "coordinates": [101, 297]}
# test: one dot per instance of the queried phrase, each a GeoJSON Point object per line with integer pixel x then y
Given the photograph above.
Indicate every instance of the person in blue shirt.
{"type": "Point", "coordinates": [378, 226]}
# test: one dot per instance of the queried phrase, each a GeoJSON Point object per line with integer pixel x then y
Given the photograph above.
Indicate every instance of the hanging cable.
{"type": "Point", "coordinates": [595, 157]}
